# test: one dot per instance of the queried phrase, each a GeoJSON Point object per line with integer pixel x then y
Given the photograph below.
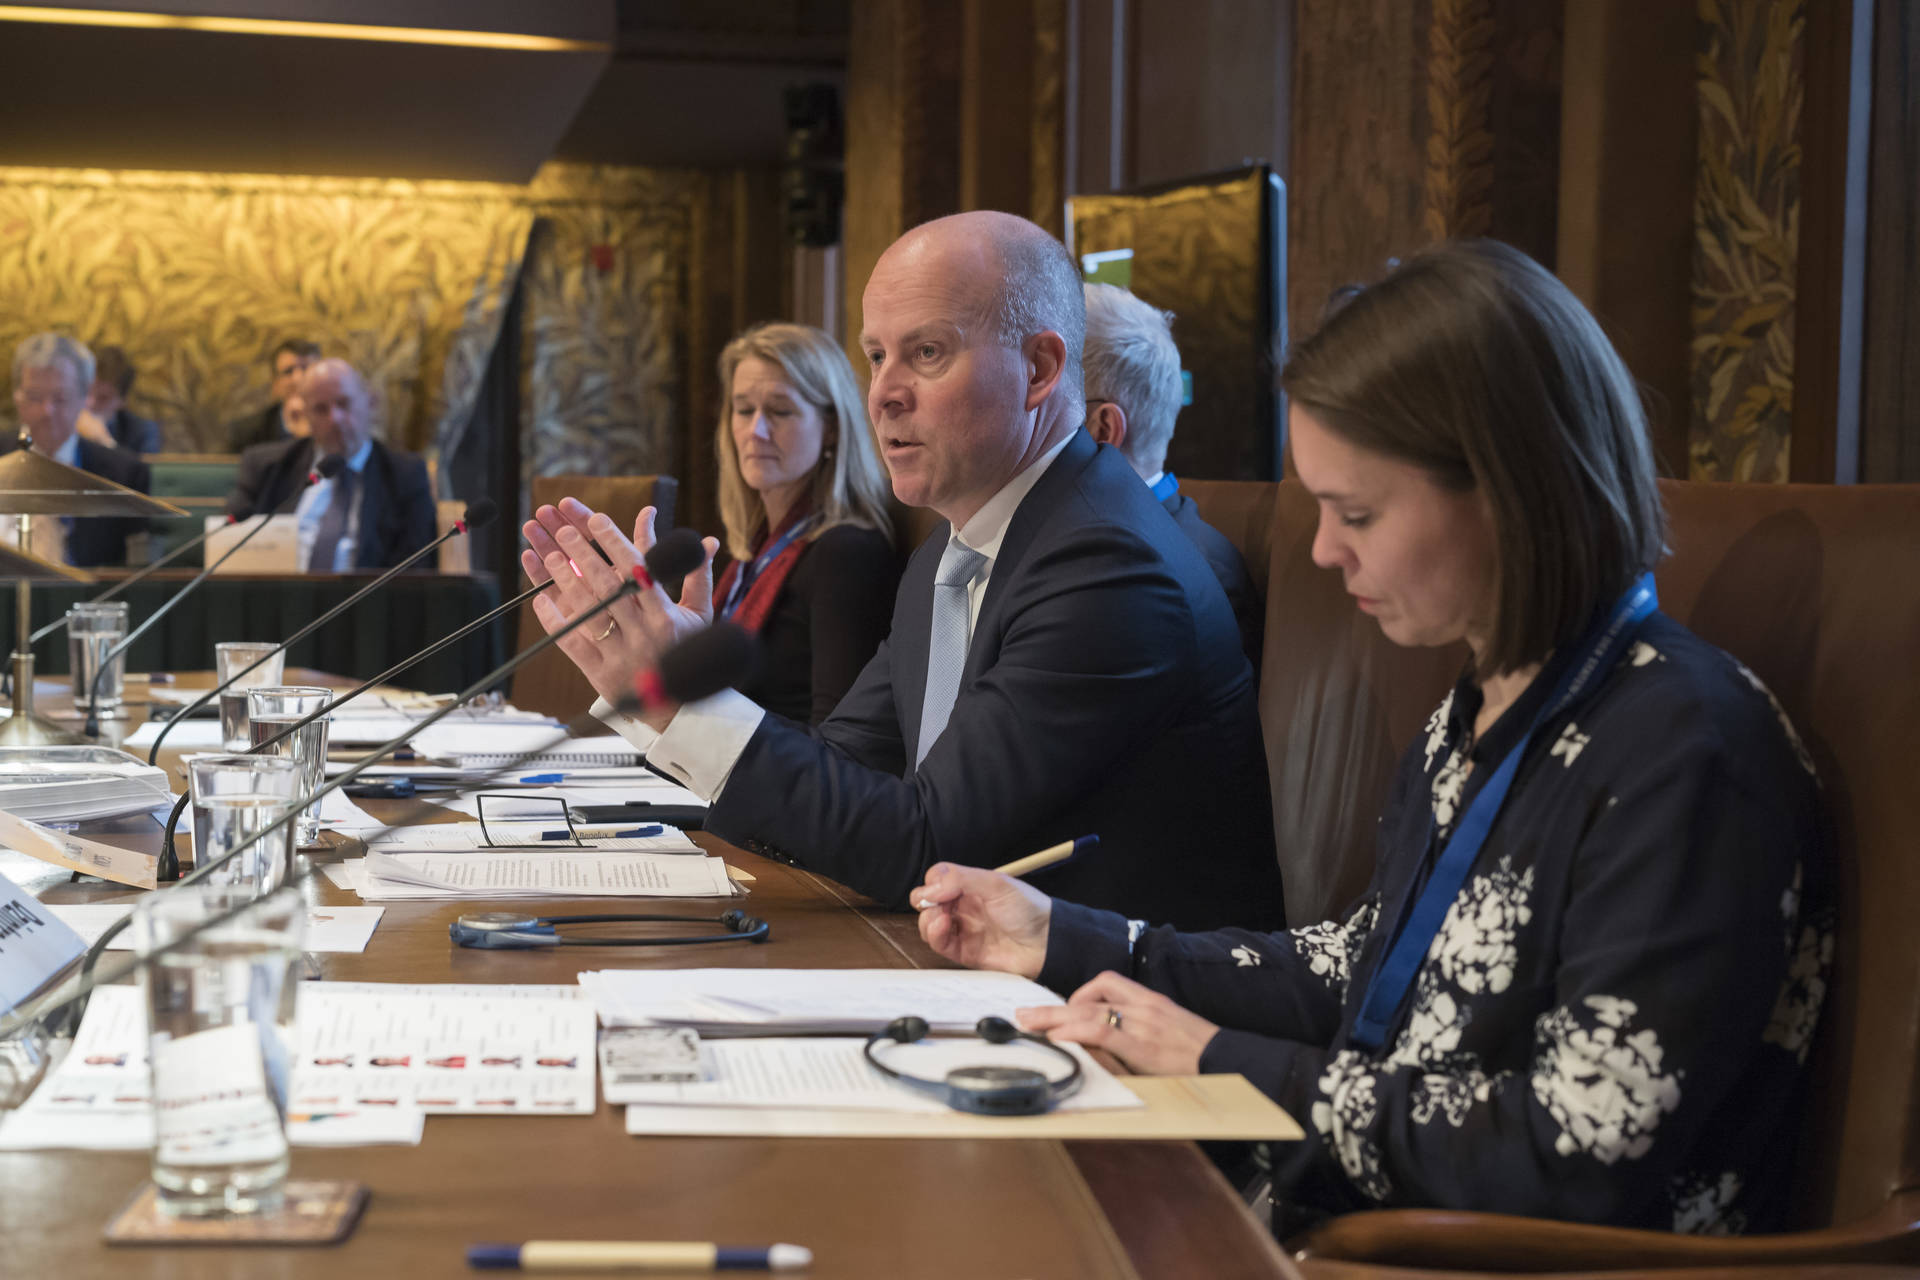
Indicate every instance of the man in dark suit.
{"type": "Point", "coordinates": [112, 422]}
{"type": "Point", "coordinates": [290, 360]}
{"type": "Point", "coordinates": [51, 375]}
{"type": "Point", "coordinates": [1133, 396]}
{"type": "Point", "coordinates": [377, 511]}
{"type": "Point", "coordinates": [1062, 662]}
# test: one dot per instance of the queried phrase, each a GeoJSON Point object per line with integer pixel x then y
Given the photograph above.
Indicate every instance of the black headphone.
{"type": "Point", "coordinates": [510, 930]}
{"type": "Point", "coordinates": [986, 1091]}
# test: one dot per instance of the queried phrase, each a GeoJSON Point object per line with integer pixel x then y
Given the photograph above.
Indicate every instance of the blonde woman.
{"type": "Point", "coordinates": [804, 500]}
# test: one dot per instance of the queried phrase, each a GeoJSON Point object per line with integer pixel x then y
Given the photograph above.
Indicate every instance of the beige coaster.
{"type": "Point", "coordinates": [314, 1213]}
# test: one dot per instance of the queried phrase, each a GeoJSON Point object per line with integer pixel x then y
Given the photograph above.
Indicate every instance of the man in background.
{"type": "Point", "coordinates": [290, 360]}
{"type": "Point", "coordinates": [51, 376]}
{"type": "Point", "coordinates": [1133, 396]}
{"type": "Point", "coordinates": [107, 419]}
{"type": "Point", "coordinates": [377, 511]}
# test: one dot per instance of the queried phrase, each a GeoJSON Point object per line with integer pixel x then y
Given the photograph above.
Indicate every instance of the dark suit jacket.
{"type": "Point", "coordinates": [263, 427]}
{"type": "Point", "coordinates": [1104, 692]}
{"type": "Point", "coordinates": [135, 434]}
{"type": "Point", "coordinates": [1230, 567]}
{"type": "Point", "coordinates": [396, 513]}
{"type": "Point", "coordinates": [101, 540]}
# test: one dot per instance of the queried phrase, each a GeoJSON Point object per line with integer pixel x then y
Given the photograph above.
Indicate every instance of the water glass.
{"type": "Point", "coordinates": [269, 713]}
{"type": "Point", "coordinates": [234, 799]}
{"type": "Point", "coordinates": [93, 629]}
{"type": "Point", "coordinates": [238, 655]}
{"type": "Point", "coordinates": [220, 1045]}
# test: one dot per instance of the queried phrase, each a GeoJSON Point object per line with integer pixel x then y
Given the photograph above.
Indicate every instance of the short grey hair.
{"type": "Point", "coordinates": [44, 350]}
{"type": "Point", "coordinates": [1132, 361]}
{"type": "Point", "coordinates": [1040, 291]}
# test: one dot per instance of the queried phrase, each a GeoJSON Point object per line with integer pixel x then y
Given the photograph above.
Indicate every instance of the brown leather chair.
{"type": "Point", "coordinates": [1817, 588]}
{"type": "Point", "coordinates": [551, 683]}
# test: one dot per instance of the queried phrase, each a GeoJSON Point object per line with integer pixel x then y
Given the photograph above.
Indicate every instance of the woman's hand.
{"type": "Point", "coordinates": [1144, 1029]}
{"type": "Point", "coordinates": [983, 919]}
{"type": "Point", "coordinates": [562, 544]}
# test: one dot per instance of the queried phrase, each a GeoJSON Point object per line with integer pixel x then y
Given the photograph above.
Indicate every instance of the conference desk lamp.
{"type": "Point", "coordinates": [32, 484]}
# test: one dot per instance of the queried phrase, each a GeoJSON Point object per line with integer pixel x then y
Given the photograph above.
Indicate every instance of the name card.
{"type": "Point", "coordinates": [34, 945]}
{"type": "Point", "coordinates": [76, 853]}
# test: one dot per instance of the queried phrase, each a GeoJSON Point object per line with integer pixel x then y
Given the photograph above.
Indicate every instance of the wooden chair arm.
{"type": "Point", "coordinates": [1447, 1240]}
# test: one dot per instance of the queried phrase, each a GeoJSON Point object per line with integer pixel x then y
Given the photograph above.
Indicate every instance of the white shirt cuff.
{"type": "Point", "coordinates": [634, 730]}
{"type": "Point", "coordinates": [703, 741]}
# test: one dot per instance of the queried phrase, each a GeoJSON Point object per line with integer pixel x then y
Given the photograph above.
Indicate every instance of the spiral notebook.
{"type": "Point", "coordinates": [476, 746]}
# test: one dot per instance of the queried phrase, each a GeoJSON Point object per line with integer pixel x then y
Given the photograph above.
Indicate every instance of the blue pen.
{"type": "Point", "coordinates": [594, 833]}
{"type": "Point", "coordinates": [543, 779]}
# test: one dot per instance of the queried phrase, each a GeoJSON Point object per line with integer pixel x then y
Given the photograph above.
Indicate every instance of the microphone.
{"type": "Point", "coordinates": [677, 553]}
{"type": "Point", "coordinates": [166, 606]}
{"type": "Point", "coordinates": [478, 514]}
{"type": "Point", "coordinates": [724, 656]}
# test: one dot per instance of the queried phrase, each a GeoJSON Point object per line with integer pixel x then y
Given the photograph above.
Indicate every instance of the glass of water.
{"type": "Point", "coordinates": [92, 632]}
{"type": "Point", "coordinates": [269, 713]}
{"type": "Point", "coordinates": [220, 1044]}
{"type": "Point", "coordinates": [238, 655]}
{"type": "Point", "coordinates": [235, 798]}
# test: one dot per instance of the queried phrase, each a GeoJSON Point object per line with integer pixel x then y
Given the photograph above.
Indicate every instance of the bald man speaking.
{"type": "Point", "coordinates": [1061, 661]}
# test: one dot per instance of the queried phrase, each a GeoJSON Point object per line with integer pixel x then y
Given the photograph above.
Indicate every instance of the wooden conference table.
{"type": "Point", "coordinates": [867, 1208]}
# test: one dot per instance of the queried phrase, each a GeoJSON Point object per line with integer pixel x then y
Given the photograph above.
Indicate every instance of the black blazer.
{"type": "Point", "coordinates": [93, 541]}
{"type": "Point", "coordinates": [263, 427]}
{"type": "Point", "coordinates": [132, 433]}
{"type": "Point", "coordinates": [396, 513]}
{"type": "Point", "coordinates": [830, 616]}
{"type": "Point", "coordinates": [1230, 567]}
{"type": "Point", "coordinates": [1105, 692]}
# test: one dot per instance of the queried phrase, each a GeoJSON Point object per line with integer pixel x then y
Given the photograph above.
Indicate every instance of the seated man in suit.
{"type": "Point", "coordinates": [375, 513]}
{"type": "Point", "coordinates": [290, 361]}
{"type": "Point", "coordinates": [1133, 396]}
{"type": "Point", "coordinates": [51, 374]}
{"type": "Point", "coordinates": [1061, 660]}
{"type": "Point", "coordinates": [107, 420]}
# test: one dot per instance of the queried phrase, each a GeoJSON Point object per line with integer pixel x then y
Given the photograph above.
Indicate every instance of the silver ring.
{"type": "Point", "coordinates": [1114, 1019]}
{"type": "Point", "coordinates": [613, 625]}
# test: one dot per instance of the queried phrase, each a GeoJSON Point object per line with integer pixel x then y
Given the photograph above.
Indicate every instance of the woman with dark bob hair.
{"type": "Point", "coordinates": [1583, 981]}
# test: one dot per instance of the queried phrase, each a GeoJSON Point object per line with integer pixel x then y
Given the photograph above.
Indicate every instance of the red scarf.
{"type": "Point", "coordinates": [764, 581]}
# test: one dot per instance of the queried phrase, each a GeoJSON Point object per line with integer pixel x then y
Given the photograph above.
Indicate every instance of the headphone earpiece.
{"type": "Point", "coordinates": [906, 1030]}
{"type": "Point", "coordinates": [997, 1031]}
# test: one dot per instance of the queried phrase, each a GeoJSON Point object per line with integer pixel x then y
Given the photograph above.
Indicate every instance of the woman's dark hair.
{"type": "Point", "coordinates": [1473, 362]}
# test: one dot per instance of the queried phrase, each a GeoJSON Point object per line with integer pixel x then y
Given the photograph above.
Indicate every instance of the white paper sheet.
{"type": "Point", "coordinates": [336, 929]}
{"type": "Point", "coordinates": [521, 834]}
{"type": "Point", "coordinates": [844, 1000]}
{"type": "Point", "coordinates": [188, 735]}
{"type": "Point", "coordinates": [815, 1071]}
{"type": "Point", "coordinates": [508, 874]}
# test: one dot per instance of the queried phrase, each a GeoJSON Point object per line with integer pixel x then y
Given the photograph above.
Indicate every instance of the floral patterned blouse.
{"type": "Point", "coordinates": [1613, 1021]}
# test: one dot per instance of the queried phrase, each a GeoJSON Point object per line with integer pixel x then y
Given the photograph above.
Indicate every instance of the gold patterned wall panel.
{"type": "Point", "coordinates": [1746, 241]}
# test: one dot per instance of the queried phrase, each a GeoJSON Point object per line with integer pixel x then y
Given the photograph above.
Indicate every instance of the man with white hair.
{"type": "Point", "coordinates": [379, 508]}
{"type": "Point", "coordinates": [1133, 396]}
{"type": "Point", "coordinates": [52, 374]}
{"type": "Point", "coordinates": [1061, 661]}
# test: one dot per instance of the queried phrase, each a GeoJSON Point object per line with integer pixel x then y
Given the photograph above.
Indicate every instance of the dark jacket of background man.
{"type": "Point", "coordinates": [1104, 692]}
{"type": "Point", "coordinates": [396, 507]}
{"type": "Point", "coordinates": [1229, 566]}
{"type": "Point", "coordinates": [93, 541]}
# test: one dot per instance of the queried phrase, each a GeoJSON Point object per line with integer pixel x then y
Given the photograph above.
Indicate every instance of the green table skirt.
{"type": "Point", "coordinates": [400, 619]}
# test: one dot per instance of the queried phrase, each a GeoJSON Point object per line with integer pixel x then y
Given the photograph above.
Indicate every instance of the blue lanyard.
{"type": "Point", "coordinates": [1599, 650]}
{"type": "Point", "coordinates": [1165, 487]}
{"type": "Point", "coordinates": [751, 571]}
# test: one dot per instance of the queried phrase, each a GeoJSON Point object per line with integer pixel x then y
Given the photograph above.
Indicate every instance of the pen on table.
{"type": "Point", "coordinates": [603, 833]}
{"type": "Point", "coordinates": [623, 1255]}
{"type": "Point", "coordinates": [1047, 857]}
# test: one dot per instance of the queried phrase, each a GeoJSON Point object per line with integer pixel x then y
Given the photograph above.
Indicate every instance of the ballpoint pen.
{"type": "Point", "coordinates": [624, 1255]}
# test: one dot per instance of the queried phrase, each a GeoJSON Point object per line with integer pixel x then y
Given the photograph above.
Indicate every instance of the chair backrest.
{"type": "Point", "coordinates": [1817, 589]}
{"type": "Point", "coordinates": [551, 683]}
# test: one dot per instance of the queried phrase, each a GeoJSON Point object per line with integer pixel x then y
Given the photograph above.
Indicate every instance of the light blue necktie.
{"type": "Point", "coordinates": [947, 643]}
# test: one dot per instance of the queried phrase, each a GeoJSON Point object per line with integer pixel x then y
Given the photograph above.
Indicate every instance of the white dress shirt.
{"type": "Point", "coordinates": [706, 738]}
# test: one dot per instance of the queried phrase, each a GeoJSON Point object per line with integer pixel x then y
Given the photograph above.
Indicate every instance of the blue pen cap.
{"type": "Point", "coordinates": [493, 1257]}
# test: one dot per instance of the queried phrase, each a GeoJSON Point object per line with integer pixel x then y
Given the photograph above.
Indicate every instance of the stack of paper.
{"type": "Point", "coordinates": [484, 745]}
{"type": "Point", "coordinates": [328, 928]}
{"type": "Point", "coordinates": [454, 860]}
{"type": "Point", "coordinates": [73, 784]}
{"type": "Point", "coordinates": [745, 1002]}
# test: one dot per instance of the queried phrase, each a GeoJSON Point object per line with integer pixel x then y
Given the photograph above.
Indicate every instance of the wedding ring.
{"type": "Point", "coordinates": [613, 625]}
{"type": "Point", "coordinates": [1113, 1018]}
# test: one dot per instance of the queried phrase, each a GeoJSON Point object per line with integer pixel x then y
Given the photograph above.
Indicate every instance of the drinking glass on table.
{"type": "Point", "coordinates": [272, 710]}
{"type": "Point", "coordinates": [234, 799]}
{"type": "Point", "coordinates": [93, 629]}
{"type": "Point", "coordinates": [220, 1045]}
{"type": "Point", "coordinates": [238, 655]}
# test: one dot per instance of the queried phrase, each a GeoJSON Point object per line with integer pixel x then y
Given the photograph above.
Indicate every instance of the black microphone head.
{"type": "Point", "coordinates": [329, 466]}
{"type": "Point", "coordinates": [721, 657]}
{"type": "Point", "coordinates": [481, 513]}
{"type": "Point", "coordinates": [677, 554]}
